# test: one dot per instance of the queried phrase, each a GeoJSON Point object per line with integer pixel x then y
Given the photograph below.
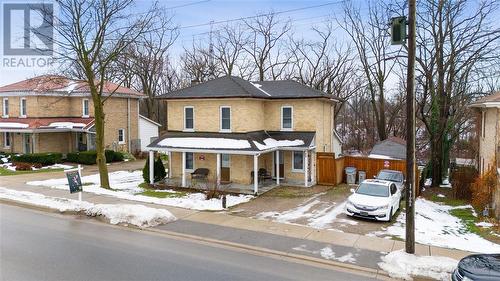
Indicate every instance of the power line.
{"type": "Point", "coordinates": [260, 15]}
{"type": "Point", "coordinates": [188, 4]}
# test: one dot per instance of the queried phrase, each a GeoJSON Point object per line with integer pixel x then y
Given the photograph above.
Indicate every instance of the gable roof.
{"type": "Point", "coordinates": [393, 147]}
{"type": "Point", "coordinates": [492, 100]}
{"type": "Point", "coordinates": [55, 84]}
{"type": "Point", "coordinates": [235, 87]}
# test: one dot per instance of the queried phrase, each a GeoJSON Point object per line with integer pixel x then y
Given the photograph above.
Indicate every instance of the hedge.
{"type": "Point", "coordinates": [49, 158]}
{"type": "Point", "coordinates": [159, 170]}
{"type": "Point", "coordinates": [89, 157]}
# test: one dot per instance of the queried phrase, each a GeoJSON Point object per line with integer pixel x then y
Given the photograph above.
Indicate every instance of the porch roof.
{"type": "Point", "coordinates": [46, 125]}
{"type": "Point", "coordinates": [233, 143]}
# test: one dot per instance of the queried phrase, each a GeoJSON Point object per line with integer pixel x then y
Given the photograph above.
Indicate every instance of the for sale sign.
{"type": "Point", "coordinates": [74, 181]}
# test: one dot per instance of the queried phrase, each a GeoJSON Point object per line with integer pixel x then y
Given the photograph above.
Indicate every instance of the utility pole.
{"type": "Point", "coordinates": [410, 130]}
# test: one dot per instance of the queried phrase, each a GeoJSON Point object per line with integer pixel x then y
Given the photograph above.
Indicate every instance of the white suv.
{"type": "Point", "coordinates": [374, 199]}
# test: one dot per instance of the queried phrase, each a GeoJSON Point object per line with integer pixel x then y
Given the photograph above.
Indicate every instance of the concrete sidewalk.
{"type": "Point", "coordinates": [325, 244]}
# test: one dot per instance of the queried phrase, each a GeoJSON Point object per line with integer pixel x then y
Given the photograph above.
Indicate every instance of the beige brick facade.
{"type": "Point", "coordinates": [120, 113]}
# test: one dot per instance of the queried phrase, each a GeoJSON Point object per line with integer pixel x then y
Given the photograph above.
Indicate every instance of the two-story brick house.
{"type": "Point", "coordinates": [235, 128]}
{"type": "Point", "coordinates": [488, 110]}
{"type": "Point", "coordinates": [56, 114]}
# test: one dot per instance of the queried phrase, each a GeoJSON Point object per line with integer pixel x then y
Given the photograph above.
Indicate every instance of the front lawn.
{"type": "Point", "coordinates": [163, 194]}
{"type": "Point", "coordinates": [8, 172]}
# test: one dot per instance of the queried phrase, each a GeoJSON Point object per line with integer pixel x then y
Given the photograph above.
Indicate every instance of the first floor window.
{"type": "Point", "coordinates": [6, 139]}
{"type": "Point", "coordinates": [189, 161]}
{"type": "Point", "coordinates": [23, 107]}
{"type": "Point", "coordinates": [298, 160]}
{"type": "Point", "coordinates": [121, 136]}
{"type": "Point", "coordinates": [5, 111]}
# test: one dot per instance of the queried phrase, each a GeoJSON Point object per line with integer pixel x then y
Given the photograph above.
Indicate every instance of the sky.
{"type": "Point", "coordinates": [188, 14]}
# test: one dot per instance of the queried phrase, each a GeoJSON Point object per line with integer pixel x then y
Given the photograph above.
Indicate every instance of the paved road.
{"type": "Point", "coordinates": [38, 246]}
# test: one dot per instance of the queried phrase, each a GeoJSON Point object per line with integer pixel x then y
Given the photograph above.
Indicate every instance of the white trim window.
{"type": "Point", "coordinates": [121, 136]}
{"type": "Point", "coordinates": [6, 140]}
{"type": "Point", "coordinates": [287, 118]}
{"type": "Point", "coordinates": [85, 108]}
{"type": "Point", "coordinates": [23, 105]}
{"type": "Point", "coordinates": [189, 118]}
{"type": "Point", "coordinates": [297, 161]}
{"type": "Point", "coordinates": [5, 108]}
{"type": "Point", "coordinates": [189, 161]}
{"type": "Point", "coordinates": [225, 118]}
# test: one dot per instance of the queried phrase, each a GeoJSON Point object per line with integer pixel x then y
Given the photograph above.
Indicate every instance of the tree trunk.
{"type": "Point", "coordinates": [100, 156]}
{"type": "Point", "coordinates": [436, 160]}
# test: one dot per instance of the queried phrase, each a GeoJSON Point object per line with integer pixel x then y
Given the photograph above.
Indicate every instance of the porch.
{"type": "Point", "coordinates": [258, 166]}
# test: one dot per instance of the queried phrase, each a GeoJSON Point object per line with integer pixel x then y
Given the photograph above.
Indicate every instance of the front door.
{"type": "Point", "coordinates": [225, 171]}
{"type": "Point", "coordinates": [27, 143]}
{"type": "Point", "coordinates": [281, 164]}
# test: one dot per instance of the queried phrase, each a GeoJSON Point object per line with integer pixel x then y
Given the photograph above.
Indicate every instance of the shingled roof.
{"type": "Point", "coordinates": [55, 84]}
{"type": "Point", "coordinates": [493, 99]}
{"type": "Point", "coordinates": [235, 87]}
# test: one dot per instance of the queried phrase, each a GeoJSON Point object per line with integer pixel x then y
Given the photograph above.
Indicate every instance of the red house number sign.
{"type": "Point", "coordinates": [386, 164]}
{"type": "Point", "coordinates": [201, 157]}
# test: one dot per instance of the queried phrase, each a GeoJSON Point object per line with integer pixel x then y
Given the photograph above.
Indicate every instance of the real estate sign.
{"type": "Point", "coordinates": [74, 181]}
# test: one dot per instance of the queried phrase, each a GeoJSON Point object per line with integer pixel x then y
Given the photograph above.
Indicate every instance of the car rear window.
{"type": "Point", "coordinates": [373, 190]}
{"type": "Point", "coordinates": [390, 176]}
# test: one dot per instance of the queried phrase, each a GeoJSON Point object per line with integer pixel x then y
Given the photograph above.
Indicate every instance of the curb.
{"type": "Point", "coordinates": [355, 269]}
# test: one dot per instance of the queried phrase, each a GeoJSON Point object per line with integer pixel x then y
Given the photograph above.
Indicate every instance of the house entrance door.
{"type": "Point", "coordinates": [225, 170]}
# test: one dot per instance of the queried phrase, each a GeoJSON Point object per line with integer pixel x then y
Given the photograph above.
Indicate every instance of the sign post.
{"type": "Point", "coordinates": [74, 177]}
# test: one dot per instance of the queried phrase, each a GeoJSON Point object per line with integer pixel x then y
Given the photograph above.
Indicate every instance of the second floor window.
{"type": "Point", "coordinates": [23, 107]}
{"type": "Point", "coordinates": [85, 108]}
{"type": "Point", "coordinates": [286, 118]}
{"type": "Point", "coordinates": [5, 107]}
{"type": "Point", "coordinates": [189, 118]}
{"type": "Point", "coordinates": [225, 118]}
{"type": "Point", "coordinates": [121, 136]}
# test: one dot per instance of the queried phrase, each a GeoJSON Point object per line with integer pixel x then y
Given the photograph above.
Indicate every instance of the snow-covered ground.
{"type": "Point", "coordinates": [405, 266]}
{"type": "Point", "coordinates": [328, 253]}
{"type": "Point", "coordinates": [434, 225]}
{"type": "Point", "coordinates": [125, 185]}
{"type": "Point", "coordinates": [138, 215]}
{"type": "Point", "coordinates": [318, 214]}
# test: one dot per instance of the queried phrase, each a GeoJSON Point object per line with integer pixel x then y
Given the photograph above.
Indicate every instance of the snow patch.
{"type": "Point", "coordinates": [441, 195]}
{"type": "Point", "coordinates": [328, 253]}
{"type": "Point", "coordinates": [13, 125]}
{"type": "Point", "coordinates": [214, 143]}
{"type": "Point", "coordinates": [126, 186]}
{"type": "Point", "coordinates": [259, 86]}
{"type": "Point", "coordinates": [271, 143]}
{"type": "Point", "coordinates": [66, 125]}
{"type": "Point", "coordinates": [405, 266]}
{"type": "Point", "coordinates": [137, 215]}
{"type": "Point", "coordinates": [484, 224]}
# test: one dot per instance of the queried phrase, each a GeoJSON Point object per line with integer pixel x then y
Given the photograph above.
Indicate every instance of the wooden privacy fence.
{"type": "Point", "coordinates": [331, 171]}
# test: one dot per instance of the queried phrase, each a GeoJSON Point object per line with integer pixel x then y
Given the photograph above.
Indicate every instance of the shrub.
{"type": "Point", "coordinates": [23, 166]}
{"type": "Point", "coordinates": [43, 158]}
{"type": "Point", "coordinates": [159, 171]}
{"type": "Point", "coordinates": [482, 189]}
{"type": "Point", "coordinates": [89, 157]}
{"type": "Point", "coordinates": [461, 180]}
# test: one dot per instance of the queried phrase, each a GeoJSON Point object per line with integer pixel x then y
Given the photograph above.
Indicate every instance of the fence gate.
{"type": "Point", "coordinates": [326, 168]}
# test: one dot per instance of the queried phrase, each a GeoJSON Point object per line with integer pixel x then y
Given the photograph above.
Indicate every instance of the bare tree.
{"type": "Point", "coordinates": [92, 35]}
{"type": "Point", "coordinates": [369, 33]}
{"type": "Point", "coordinates": [266, 34]}
{"type": "Point", "coordinates": [453, 38]}
{"type": "Point", "coordinates": [228, 50]}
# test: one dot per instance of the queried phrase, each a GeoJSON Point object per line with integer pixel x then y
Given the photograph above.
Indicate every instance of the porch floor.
{"type": "Point", "coordinates": [229, 187]}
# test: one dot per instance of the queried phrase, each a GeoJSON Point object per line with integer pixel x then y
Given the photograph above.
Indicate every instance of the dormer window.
{"type": "Point", "coordinates": [286, 118]}
{"type": "Point", "coordinates": [225, 119]}
{"type": "Point", "coordinates": [188, 118]}
{"type": "Point", "coordinates": [22, 107]}
{"type": "Point", "coordinates": [85, 108]}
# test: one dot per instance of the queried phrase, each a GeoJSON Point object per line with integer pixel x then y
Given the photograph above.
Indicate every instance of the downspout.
{"type": "Point", "coordinates": [128, 124]}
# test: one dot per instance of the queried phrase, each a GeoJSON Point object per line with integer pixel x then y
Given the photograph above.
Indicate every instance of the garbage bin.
{"type": "Point", "coordinates": [361, 176]}
{"type": "Point", "coordinates": [350, 175]}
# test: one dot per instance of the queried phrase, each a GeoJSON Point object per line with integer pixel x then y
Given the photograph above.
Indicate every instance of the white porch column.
{"type": "Point", "coordinates": [277, 161]}
{"type": "Point", "coordinates": [306, 167]}
{"type": "Point", "coordinates": [151, 167]}
{"type": "Point", "coordinates": [183, 169]}
{"type": "Point", "coordinates": [170, 164]}
{"type": "Point", "coordinates": [255, 174]}
{"type": "Point", "coordinates": [218, 169]}
{"type": "Point", "coordinates": [313, 167]}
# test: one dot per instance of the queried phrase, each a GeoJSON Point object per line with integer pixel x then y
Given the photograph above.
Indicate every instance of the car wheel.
{"type": "Point", "coordinates": [390, 216]}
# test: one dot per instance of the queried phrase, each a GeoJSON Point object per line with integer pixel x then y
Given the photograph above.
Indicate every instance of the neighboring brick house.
{"type": "Point", "coordinates": [488, 109]}
{"type": "Point", "coordinates": [235, 128]}
{"type": "Point", "coordinates": [55, 114]}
